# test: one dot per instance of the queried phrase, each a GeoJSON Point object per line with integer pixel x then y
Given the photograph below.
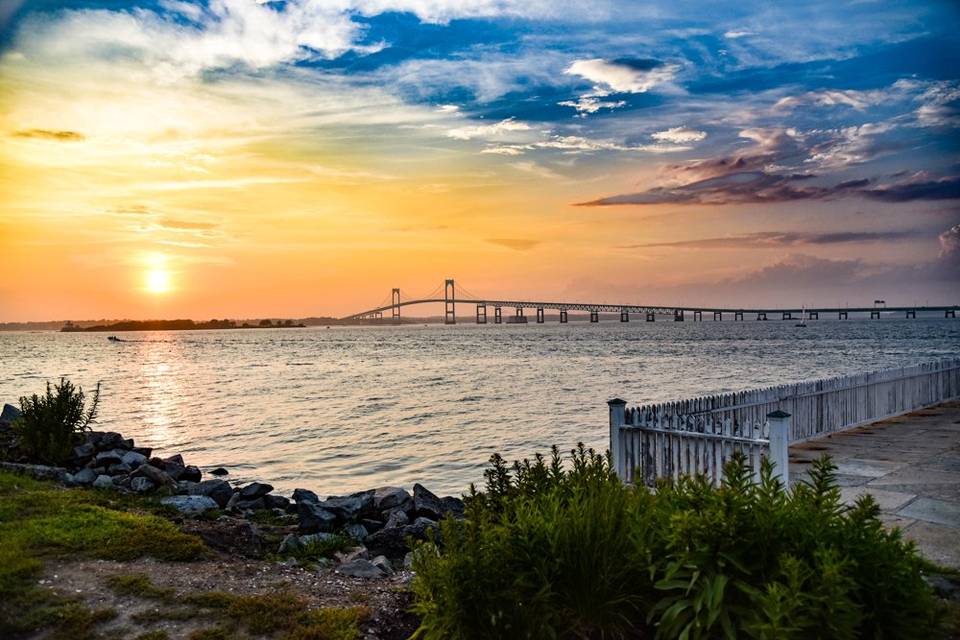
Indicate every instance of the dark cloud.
{"type": "Point", "coordinates": [517, 244]}
{"type": "Point", "coordinates": [944, 189]}
{"type": "Point", "coordinates": [47, 134]}
{"type": "Point", "coordinates": [950, 243]}
{"type": "Point", "coordinates": [775, 239]}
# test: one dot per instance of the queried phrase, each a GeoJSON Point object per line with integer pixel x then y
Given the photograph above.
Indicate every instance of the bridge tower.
{"type": "Point", "coordinates": [449, 303]}
{"type": "Point", "coordinates": [395, 301]}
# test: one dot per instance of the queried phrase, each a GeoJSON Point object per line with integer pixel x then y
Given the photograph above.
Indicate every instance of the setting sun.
{"type": "Point", "coordinates": [158, 281]}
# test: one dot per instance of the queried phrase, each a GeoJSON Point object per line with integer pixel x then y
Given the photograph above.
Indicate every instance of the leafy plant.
{"type": "Point", "coordinates": [52, 423]}
{"type": "Point", "coordinates": [554, 552]}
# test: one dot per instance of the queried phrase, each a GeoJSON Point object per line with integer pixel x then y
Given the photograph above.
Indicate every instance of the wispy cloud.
{"type": "Point", "coordinates": [47, 134]}
{"type": "Point", "coordinates": [679, 135]}
{"type": "Point", "coordinates": [488, 131]}
{"type": "Point", "coordinates": [616, 76]}
{"type": "Point", "coordinates": [517, 244]}
{"type": "Point", "coordinates": [780, 239]}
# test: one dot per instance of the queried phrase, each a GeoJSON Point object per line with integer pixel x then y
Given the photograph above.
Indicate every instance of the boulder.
{"type": "Point", "coordinates": [126, 444]}
{"type": "Point", "coordinates": [120, 469]}
{"type": "Point", "coordinates": [144, 451]}
{"type": "Point", "coordinates": [350, 508]}
{"type": "Point", "coordinates": [107, 458]}
{"type": "Point", "coordinates": [219, 471]}
{"type": "Point", "coordinates": [293, 543]}
{"type": "Point", "coordinates": [219, 490]}
{"type": "Point", "coordinates": [38, 471]}
{"type": "Point", "coordinates": [103, 482]}
{"type": "Point", "coordinates": [371, 525]}
{"type": "Point", "coordinates": [312, 517]}
{"type": "Point", "coordinates": [9, 414]}
{"type": "Point", "coordinates": [84, 477]}
{"type": "Point", "coordinates": [255, 490]}
{"type": "Point", "coordinates": [389, 498]}
{"type": "Point", "coordinates": [142, 485]}
{"type": "Point", "coordinates": [383, 564]}
{"type": "Point", "coordinates": [134, 459]}
{"type": "Point", "coordinates": [351, 554]}
{"type": "Point", "coordinates": [190, 504]}
{"type": "Point", "coordinates": [82, 454]}
{"type": "Point", "coordinates": [158, 463]}
{"type": "Point", "coordinates": [176, 460]}
{"type": "Point", "coordinates": [190, 473]}
{"type": "Point", "coordinates": [185, 488]}
{"type": "Point", "coordinates": [304, 495]}
{"type": "Point", "coordinates": [250, 505]}
{"type": "Point", "coordinates": [426, 503]}
{"type": "Point", "coordinates": [361, 568]}
{"type": "Point", "coordinates": [104, 440]}
{"type": "Point", "coordinates": [452, 505]}
{"type": "Point", "coordinates": [156, 476]}
{"type": "Point", "coordinates": [392, 542]}
{"type": "Point", "coordinates": [397, 518]}
{"type": "Point", "coordinates": [356, 531]}
{"type": "Point", "coordinates": [276, 502]}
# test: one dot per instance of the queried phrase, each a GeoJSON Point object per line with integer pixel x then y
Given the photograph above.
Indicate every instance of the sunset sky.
{"type": "Point", "coordinates": [234, 158]}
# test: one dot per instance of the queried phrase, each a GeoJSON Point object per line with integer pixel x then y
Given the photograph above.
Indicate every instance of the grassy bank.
{"type": "Point", "coordinates": [44, 524]}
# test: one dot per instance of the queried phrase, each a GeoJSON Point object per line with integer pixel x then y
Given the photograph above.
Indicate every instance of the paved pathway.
{"type": "Point", "coordinates": [911, 466]}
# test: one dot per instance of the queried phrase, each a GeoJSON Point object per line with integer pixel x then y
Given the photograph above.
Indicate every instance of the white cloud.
{"type": "Point", "coordinates": [488, 131]}
{"type": "Point", "coordinates": [591, 104]}
{"type": "Point", "coordinates": [859, 100]}
{"type": "Point", "coordinates": [617, 77]}
{"type": "Point", "coordinates": [733, 34]}
{"type": "Point", "coordinates": [536, 169]}
{"type": "Point", "coordinates": [679, 135]}
{"type": "Point", "coordinates": [507, 150]}
{"type": "Point", "coordinates": [448, 108]}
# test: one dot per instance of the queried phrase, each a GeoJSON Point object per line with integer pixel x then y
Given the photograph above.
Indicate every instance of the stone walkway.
{"type": "Point", "coordinates": [910, 465]}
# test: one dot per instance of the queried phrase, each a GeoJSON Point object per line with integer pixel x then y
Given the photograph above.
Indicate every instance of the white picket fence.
{"type": "Point", "coordinates": [699, 435]}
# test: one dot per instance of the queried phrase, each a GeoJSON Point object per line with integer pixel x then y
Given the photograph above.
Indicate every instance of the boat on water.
{"type": "Point", "coordinates": [114, 339]}
{"type": "Point", "coordinates": [803, 318]}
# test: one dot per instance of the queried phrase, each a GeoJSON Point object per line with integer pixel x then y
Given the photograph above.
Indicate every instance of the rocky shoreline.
{"type": "Point", "coordinates": [371, 527]}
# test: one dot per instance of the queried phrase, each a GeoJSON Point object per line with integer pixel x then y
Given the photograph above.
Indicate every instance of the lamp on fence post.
{"type": "Point", "coordinates": [779, 422]}
{"type": "Point", "coordinates": [617, 416]}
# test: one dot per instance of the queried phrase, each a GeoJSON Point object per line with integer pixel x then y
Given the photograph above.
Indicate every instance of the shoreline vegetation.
{"type": "Point", "coordinates": [100, 538]}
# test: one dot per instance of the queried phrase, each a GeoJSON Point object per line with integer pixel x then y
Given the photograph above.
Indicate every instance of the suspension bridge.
{"type": "Point", "coordinates": [450, 300]}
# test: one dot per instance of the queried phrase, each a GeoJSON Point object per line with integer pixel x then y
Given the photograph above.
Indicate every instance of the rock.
{"type": "Point", "coordinates": [126, 444]}
{"type": "Point", "coordinates": [349, 555]}
{"type": "Point", "coordinates": [185, 488]}
{"type": "Point", "coordinates": [276, 502]}
{"type": "Point", "coordinates": [9, 414]}
{"type": "Point", "coordinates": [190, 473]}
{"type": "Point", "coordinates": [158, 463]}
{"type": "Point", "coordinates": [397, 518]}
{"type": "Point", "coordinates": [293, 543]}
{"type": "Point", "coordinates": [452, 505]}
{"type": "Point", "coordinates": [408, 561]}
{"type": "Point", "coordinates": [120, 469]}
{"type": "Point", "coordinates": [392, 542]}
{"type": "Point", "coordinates": [426, 503]}
{"type": "Point", "coordinates": [190, 504]}
{"type": "Point", "coordinates": [142, 485]}
{"type": "Point", "coordinates": [103, 482]}
{"type": "Point", "coordinates": [383, 564]}
{"type": "Point", "coordinates": [350, 508]}
{"type": "Point", "coordinates": [219, 471]}
{"type": "Point", "coordinates": [173, 470]}
{"type": "Point", "coordinates": [219, 490]}
{"type": "Point", "coordinates": [176, 460]}
{"type": "Point", "coordinates": [250, 505]}
{"type": "Point", "coordinates": [146, 452]}
{"type": "Point", "coordinates": [38, 471]}
{"type": "Point", "coordinates": [305, 495]}
{"type": "Point", "coordinates": [389, 498]}
{"type": "Point", "coordinates": [361, 568]}
{"type": "Point", "coordinates": [255, 490]}
{"type": "Point", "coordinates": [944, 587]}
{"type": "Point", "coordinates": [424, 523]}
{"type": "Point", "coordinates": [156, 476]}
{"type": "Point", "coordinates": [134, 459]}
{"type": "Point", "coordinates": [84, 477]}
{"type": "Point", "coordinates": [371, 525]}
{"type": "Point", "coordinates": [82, 454]}
{"type": "Point", "coordinates": [104, 440]}
{"type": "Point", "coordinates": [107, 458]}
{"type": "Point", "coordinates": [312, 517]}
{"type": "Point", "coordinates": [356, 531]}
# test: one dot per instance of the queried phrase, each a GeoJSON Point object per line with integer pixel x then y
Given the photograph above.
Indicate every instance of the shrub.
{"type": "Point", "coordinates": [51, 424]}
{"type": "Point", "coordinates": [549, 552]}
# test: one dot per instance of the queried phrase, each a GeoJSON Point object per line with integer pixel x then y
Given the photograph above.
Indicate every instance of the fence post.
{"type": "Point", "coordinates": [617, 416]}
{"type": "Point", "coordinates": [779, 422]}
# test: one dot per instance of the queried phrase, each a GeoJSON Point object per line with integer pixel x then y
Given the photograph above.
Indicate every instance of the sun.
{"type": "Point", "coordinates": [157, 281]}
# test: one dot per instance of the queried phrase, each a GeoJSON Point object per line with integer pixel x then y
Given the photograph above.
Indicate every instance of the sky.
{"type": "Point", "coordinates": [236, 158]}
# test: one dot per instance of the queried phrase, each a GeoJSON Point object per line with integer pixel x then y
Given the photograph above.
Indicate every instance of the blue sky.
{"type": "Point", "coordinates": [816, 141]}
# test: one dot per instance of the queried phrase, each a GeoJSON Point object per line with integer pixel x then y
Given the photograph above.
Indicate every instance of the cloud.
{"type": "Point", "coordinates": [679, 135]}
{"type": "Point", "coordinates": [804, 271]}
{"type": "Point", "coordinates": [780, 239]}
{"type": "Point", "coordinates": [517, 244]}
{"type": "Point", "coordinates": [733, 34]}
{"type": "Point", "coordinates": [508, 125]}
{"type": "Point", "coordinates": [579, 144]}
{"type": "Point", "coordinates": [859, 100]}
{"type": "Point", "coordinates": [591, 104]}
{"type": "Point", "coordinates": [623, 76]}
{"type": "Point", "coordinates": [185, 225]}
{"type": "Point", "coordinates": [46, 134]}
{"type": "Point", "coordinates": [950, 243]}
{"type": "Point", "coordinates": [943, 189]}
{"type": "Point", "coordinates": [536, 169]}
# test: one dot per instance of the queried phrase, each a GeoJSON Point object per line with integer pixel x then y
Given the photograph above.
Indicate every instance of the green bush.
{"type": "Point", "coordinates": [52, 423]}
{"type": "Point", "coordinates": [549, 552]}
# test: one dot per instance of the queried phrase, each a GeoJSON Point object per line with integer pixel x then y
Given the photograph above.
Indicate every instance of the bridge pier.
{"type": "Point", "coordinates": [481, 314]}
{"type": "Point", "coordinates": [950, 313]}
{"type": "Point", "coordinates": [651, 316]}
{"type": "Point", "coordinates": [518, 312]}
{"type": "Point", "coordinates": [718, 316]}
{"type": "Point", "coordinates": [497, 315]}
{"type": "Point", "coordinates": [874, 315]}
{"type": "Point", "coordinates": [737, 315]}
{"type": "Point", "coordinates": [395, 301]}
{"type": "Point", "coordinates": [449, 303]}
{"type": "Point", "coordinates": [813, 315]}
{"type": "Point", "coordinates": [843, 315]}
{"type": "Point", "coordinates": [762, 316]}
{"type": "Point", "coordinates": [911, 314]}
{"type": "Point", "coordinates": [594, 316]}
{"type": "Point", "coordinates": [563, 316]}
{"type": "Point", "coordinates": [698, 316]}
{"type": "Point", "coordinates": [787, 315]}
{"type": "Point", "coordinates": [678, 315]}
{"type": "Point", "coordinates": [624, 316]}
{"type": "Point", "coordinates": [539, 315]}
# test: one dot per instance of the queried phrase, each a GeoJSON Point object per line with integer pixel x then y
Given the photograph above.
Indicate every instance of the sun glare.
{"type": "Point", "coordinates": [158, 281]}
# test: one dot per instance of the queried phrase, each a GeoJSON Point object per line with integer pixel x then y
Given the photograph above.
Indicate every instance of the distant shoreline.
{"type": "Point", "coordinates": [178, 325]}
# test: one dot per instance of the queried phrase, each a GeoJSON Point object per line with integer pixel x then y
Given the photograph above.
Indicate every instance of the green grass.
{"type": "Point", "coordinates": [138, 584]}
{"type": "Point", "coordinates": [40, 520]}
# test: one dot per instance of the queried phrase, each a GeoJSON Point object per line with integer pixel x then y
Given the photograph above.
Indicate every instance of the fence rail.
{"type": "Point", "coordinates": [698, 435]}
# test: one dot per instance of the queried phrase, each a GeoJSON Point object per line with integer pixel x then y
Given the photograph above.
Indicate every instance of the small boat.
{"type": "Point", "coordinates": [803, 318]}
{"type": "Point", "coordinates": [114, 339]}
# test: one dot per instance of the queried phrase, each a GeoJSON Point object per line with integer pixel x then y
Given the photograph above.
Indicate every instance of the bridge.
{"type": "Point", "coordinates": [649, 312]}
